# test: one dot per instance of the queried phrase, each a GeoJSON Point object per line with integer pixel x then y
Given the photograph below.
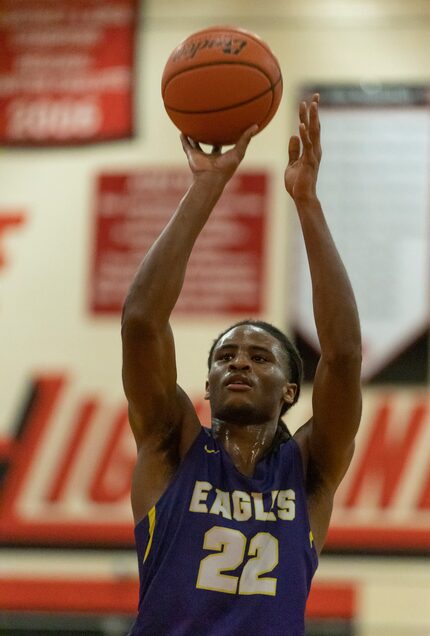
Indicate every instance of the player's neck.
{"type": "Point", "coordinates": [246, 444]}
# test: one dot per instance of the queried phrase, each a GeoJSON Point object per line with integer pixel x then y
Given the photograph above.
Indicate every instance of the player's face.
{"type": "Point", "coordinates": [248, 377]}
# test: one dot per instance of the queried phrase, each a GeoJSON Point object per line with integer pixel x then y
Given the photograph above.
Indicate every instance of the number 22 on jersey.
{"type": "Point", "coordinates": [230, 552]}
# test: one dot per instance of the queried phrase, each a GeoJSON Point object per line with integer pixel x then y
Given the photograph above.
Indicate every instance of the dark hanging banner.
{"type": "Point", "coordinates": [374, 187]}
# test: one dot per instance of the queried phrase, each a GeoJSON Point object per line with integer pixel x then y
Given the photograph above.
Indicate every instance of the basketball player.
{"type": "Point", "coordinates": [229, 523]}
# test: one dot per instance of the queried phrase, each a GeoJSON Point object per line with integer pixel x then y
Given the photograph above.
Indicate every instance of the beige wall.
{"type": "Point", "coordinates": [45, 323]}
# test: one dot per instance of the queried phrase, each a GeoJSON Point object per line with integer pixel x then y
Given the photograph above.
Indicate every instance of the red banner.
{"type": "Point", "coordinates": [226, 270]}
{"type": "Point", "coordinates": [66, 70]}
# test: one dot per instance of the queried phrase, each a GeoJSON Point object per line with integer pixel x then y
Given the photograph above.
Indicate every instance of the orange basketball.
{"type": "Point", "coordinates": [219, 82]}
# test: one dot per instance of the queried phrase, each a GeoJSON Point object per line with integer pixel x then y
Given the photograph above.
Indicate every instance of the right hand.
{"type": "Point", "coordinates": [216, 163]}
{"type": "Point", "coordinates": [302, 170]}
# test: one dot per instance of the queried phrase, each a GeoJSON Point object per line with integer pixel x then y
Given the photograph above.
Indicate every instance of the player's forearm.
{"type": "Point", "coordinates": [159, 279]}
{"type": "Point", "coordinates": [335, 309]}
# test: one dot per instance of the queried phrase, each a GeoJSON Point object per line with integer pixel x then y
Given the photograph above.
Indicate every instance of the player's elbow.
{"type": "Point", "coordinates": [347, 355]}
{"type": "Point", "coordinates": [136, 318]}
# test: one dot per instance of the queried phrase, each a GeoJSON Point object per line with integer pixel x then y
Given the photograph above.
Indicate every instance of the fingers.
{"type": "Point", "coordinates": [185, 142]}
{"type": "Point", "coordinates": [314, 125]}
{"type": "Point", "coordinates": [303, 114]}
{"type": "Point", "coordinates": [309, 115]}
{"type": "Point", "coordinates": [244, 140]}
{"type": "Point", "coordinates": [310, 128]}
{"type": "Point", "coordinates": [314, 122]}
{"type": "Point", "coordinates": [293, 149]}
{"type": "Point", "coordinates": [195, 145]}
{"type": "Point", "coordinates": [251, 131]}
{"type": "Point", "coordinates": [189, 145]}
{"type": "Point", "coordinates": [305, 138]}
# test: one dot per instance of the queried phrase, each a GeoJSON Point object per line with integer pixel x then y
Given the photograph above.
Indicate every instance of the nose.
{"type": "Point", "coordinates": [240, 361]}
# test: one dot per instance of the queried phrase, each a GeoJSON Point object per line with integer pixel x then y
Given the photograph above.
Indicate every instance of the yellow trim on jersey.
{"type": "Point", "coordinates": [151, 518]}
{"type": "Point", "coordinates": [209, 450]}
{"type": "Point", "coordinates": [311, 538]}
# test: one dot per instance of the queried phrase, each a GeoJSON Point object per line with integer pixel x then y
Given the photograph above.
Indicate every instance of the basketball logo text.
{"type": "Point", "coordinates": [229, 46]}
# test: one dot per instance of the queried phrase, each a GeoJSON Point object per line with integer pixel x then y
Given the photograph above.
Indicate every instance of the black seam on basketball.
{"type": "Point", "coordinates": [264, 121]}
{"type": "Point", "coordinates": [224, 63]}
{"type": "Point", "coordinates": [218, 110]}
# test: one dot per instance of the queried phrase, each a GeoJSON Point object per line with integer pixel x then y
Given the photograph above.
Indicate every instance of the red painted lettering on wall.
{"type": "Point", "coordinates": [67, 471]}
{"type": "Point", "coordinates": [8, 221]}
{"type": "Point", "coordinates": [387, 452]}
{"type": "Point", "coordinates": [113, 476]}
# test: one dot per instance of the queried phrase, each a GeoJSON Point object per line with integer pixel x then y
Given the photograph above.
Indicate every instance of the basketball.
{"type": "Point", "coordinates": [220, 81]}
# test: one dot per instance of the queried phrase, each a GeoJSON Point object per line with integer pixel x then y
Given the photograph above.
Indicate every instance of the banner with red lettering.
{"type": "Point", "coordinates": [226, 270]}
{"type": "Point", "coordinates": [66, 71]}
{"type": "Point", "coordinates": [66, 471]}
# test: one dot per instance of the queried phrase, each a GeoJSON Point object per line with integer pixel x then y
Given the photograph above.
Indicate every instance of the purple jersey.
{"type": "Point", "coordinates": [222, 554]}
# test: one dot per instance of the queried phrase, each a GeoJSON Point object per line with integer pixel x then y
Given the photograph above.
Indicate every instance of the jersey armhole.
{"type": "Point", "coordinates": [298, 458]}
{"type": "Point", "coordinates": [202, 435]}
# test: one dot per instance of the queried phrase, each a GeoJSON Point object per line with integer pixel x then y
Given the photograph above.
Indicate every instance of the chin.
{"type": "Point", "coordinates": [238, 413]}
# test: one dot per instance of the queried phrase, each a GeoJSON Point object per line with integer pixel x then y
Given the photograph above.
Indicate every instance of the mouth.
{"type": "Point", "coordinates": [238, 383]}
{"type": "Point", "coordinates": [238, 387]}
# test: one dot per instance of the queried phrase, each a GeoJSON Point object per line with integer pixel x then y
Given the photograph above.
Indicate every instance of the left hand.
{"type": "Point", "coordinates": [302, 170]}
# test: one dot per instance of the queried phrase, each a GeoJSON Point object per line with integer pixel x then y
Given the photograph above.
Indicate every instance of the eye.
{"type": "Point", "coordinates": [258, 358]}
{"type": "Point", "coordinates": [226, 357]}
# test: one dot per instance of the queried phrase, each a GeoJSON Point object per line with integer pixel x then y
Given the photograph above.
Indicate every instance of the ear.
{"type": "Point", "coordinates": [289, 392]}
{"type": "Point", "coordinates": [207, 390]}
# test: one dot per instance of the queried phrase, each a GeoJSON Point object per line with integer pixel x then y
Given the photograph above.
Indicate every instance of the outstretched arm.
{"type": "Point", "coordinates": [327, 441]}
{"type": "Point", "coordinates": [156, 404]}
